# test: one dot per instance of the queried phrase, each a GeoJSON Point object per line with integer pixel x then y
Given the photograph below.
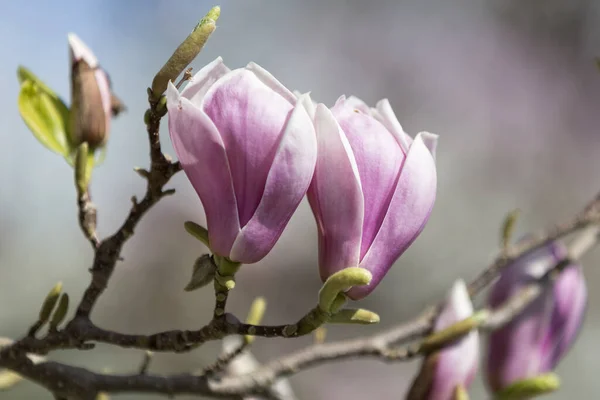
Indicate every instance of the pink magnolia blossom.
{"type": "Point", "coordinates": [248, 147]}
{"type": "Point", "coordinates": [456, 365]}
{"type": "Point", "coordinates": [534, 342]}
{"type": "Point", "coordinates": [373, 188]}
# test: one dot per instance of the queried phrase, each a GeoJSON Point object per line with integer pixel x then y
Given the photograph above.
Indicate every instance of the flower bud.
{"type": "Point", "coordinates": [91, 99]}
{"type": "Point", "coordinates": [534, 342]}
{"type": "Point", "coordinates": [447, 373]}
{"type": "Point", "coordinates": [186, 52]}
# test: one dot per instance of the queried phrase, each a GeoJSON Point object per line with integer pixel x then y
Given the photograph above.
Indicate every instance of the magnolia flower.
{"type": "Point", "coordinates": [533, 343]}
{"type": "Point", "coordinates": [373, 188]}
{"type": "Point", "coordinates": [452, 368]}
{"type": "Point", "coordinates": [90, 97]}
{"type": "Point", "coordinates": [249, 149]}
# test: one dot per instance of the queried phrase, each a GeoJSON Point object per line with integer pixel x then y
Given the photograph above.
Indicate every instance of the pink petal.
{"type": "Point", "coordinates": [456, 364]}
{"type": "Point", "coordinates": [202, 154]}
{"type": "Point", "coordinates": [269, 80]}
{"type": "Point", "coordinates": [288, 179]}
{"type": "Point", "coordinates": [355, 103]}
{"type": "Point", "coordinates": [80, 51]}
{"type": "Point", "coordinates": [570, 297]}
{"type": "Point", "coordinates": [406, 216]}
{"type": "Point", "coordinates": [378, 158]}
{"type": "Point", "coordinates": [525, 347]}
{"type": "Point", "coordinates": [196, 89]}
{"type": "Point", "coordinates": [105, 94]}
{"type": "Point", "coordinates": [384, 113]}
{"type": "Point", "coordinates": [250, 118]}
{"type": "Point", "coordinates": [335, 196]}
{"type": "Point", "coordinates": [287, 182]}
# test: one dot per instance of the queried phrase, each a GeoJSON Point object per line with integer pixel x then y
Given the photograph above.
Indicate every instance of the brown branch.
{"type": "Point", "coordinates": [382, 346]}
{"type": "Point", "coordinates": [590, 215]}
{"type": "Point", "coordinates": [87, 217]}
{"type": "Point", "coordinates": [109, 250]}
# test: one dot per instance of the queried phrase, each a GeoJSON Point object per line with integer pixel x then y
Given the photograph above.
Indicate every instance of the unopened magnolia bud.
{"type": "Point", "coordinates": [50, 302]}
{"type": "Point", "coordinates": [186, 52]}
{"type": "Point", "coordinates": [533, 343]}
{"type": "Point", "coordinates": [355, 316]}
{"type": "Point", "coordinates": [203, 273]}
{"type": "Point", "coordinates": [61, 311]}
{"type": "Point", "coordinates": [255, 315]}
{"type": "Point", "coordinates": [91, 98]}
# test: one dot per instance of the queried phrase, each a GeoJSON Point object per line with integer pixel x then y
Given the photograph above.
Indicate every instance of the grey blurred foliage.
{"type": "Point", "coordinates": [510, 86]}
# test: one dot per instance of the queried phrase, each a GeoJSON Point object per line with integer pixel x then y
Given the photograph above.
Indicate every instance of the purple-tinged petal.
{"type": "Point", "coordinates": [379, 159]}
{"type": "Point", "coordinates": [407, 214]}
{"type": "Point", "coordinates": [288, 179]}
{"type": "Point", "coordinates": [202, 155]}
{"type": "Point", "coordinates": [570, 297]}
{"type": "Point", "coordinates": [105, 94]}
{"type": "Point", "coordinates": [335, 196]}
{"type": "Point", "coordinates": [535, 341]}
{"type": "Point", "coordinates": [202, 80]}
{"type": "Point", "coordinates": [456, 364]}
{"type": "Point", "coordinates": [384, 113]}
{"type": "Point", "coordinates": [269, 80]}
{"type": "Point", "coordinates": [80, 51]}
{"type": "Point", "coordinates": [250, 118]}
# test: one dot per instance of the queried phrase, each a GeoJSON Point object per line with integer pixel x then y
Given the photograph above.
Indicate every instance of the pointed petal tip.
{"type": "Point", "coordinates": [430, 140]}
{"type": "Point", "coordinates": [173, 95]}
{"type": "Point", "coordinates": [79, 50]}
{"type": "Point", "coordinates": [305, 101]}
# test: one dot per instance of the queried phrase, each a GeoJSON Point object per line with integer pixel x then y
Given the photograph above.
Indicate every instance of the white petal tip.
{"type": "Point", "coordinates": [340, 100]}
{"type": "Point", "coordinates": [173, 95]}
{"type": "Point", "coordinates": [382, 103]}
{"type": "Point", "coordinates": [305, 101]}
{"type": "Point", "coordinates": [459, 299]}
{"type": "Point", "coordinates": [430, 140]}
{"type": "Point", "coordinates": [79, 50]}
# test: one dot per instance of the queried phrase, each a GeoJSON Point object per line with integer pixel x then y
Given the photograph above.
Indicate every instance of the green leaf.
{"type": "Point", "coordinates": [45, 115]}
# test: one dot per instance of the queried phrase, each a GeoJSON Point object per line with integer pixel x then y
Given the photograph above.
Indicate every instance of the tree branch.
{"type": "Point", "coordinates": [109, 250]}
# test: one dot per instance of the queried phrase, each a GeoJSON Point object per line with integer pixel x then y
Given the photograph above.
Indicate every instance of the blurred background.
{"type": "Point", "coordinates": [509, 85]}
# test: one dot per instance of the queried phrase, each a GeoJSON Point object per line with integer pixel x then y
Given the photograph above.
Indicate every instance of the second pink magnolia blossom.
{"type": "Point", "coordinates": [373, 189]}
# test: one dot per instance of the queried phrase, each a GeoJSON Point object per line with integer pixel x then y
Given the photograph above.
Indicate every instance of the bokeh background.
{"type": "Point", "coordinates": [509, 85]}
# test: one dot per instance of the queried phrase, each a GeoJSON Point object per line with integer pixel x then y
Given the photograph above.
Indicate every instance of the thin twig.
{"type": "Point", "coordinates": [87, 215]}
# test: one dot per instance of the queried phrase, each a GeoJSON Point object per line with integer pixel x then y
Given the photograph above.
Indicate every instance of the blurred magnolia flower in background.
{"type": "Point", "coordinates": [534, 343]}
